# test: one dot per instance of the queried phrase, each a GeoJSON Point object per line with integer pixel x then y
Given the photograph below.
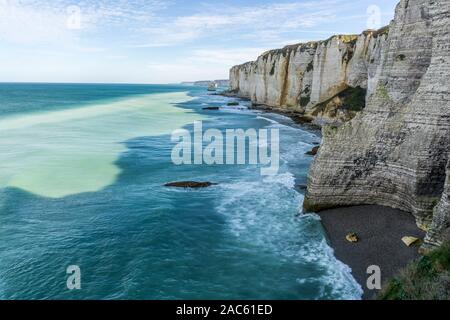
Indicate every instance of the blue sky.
{"type": "Point", "coordinates": [163, 41]}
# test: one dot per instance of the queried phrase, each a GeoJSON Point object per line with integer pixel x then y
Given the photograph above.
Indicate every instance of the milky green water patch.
{"type": "Point", "coordinates": [61, 153]}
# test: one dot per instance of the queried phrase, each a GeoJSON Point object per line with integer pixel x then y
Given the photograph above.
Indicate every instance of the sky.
{"type": "Point", "coordinates": [163, 41]}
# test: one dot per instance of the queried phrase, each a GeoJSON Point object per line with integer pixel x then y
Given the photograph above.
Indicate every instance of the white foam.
{"type": "Point", "coordinates": [286, 179]}
{"type": "Point", "coordinates": [268, 119]}
{"type": "Point", "coordinates": [263, 214]}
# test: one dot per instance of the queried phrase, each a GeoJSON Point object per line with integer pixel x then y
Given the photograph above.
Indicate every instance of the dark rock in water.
{"type": "Point", "coordinates": [190, 184]}
{"type": "Point", "coordinates": [263, 107]}
{"type": "Point", "coordinates": [301, 119]}
{"type": "Point", "coordinates": [211, 108]}
{"type": "Point", "coordinates": [301, 187]}
{"type": "Point", "coordinates": [228, 93]}
{"type": "Point", "coordinates": [314, 151]}
{"type": "Point", "coordinates": [231, 104]}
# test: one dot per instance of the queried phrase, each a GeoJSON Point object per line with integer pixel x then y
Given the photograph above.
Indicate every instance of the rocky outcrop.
{"type": "Point", "coordinates": [440, 227]}
{"type": "Point", "coordinates": [326, 80]}
{"type": "Point", "coordinates": [190, 184]}
{"type": "Point", "coordinates": [395, 152]}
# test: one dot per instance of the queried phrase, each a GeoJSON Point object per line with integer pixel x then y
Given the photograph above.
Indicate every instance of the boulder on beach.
{"type": "Point", "coordinates": [314, 151]}
{"type": "Point", "coordinates": [190, 184]}
{"type": "Point", "coordinates": [352, 237]}
{"type": "Point", "coordinates": [411, 241]}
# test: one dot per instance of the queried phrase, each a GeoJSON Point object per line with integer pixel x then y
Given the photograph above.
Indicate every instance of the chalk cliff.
{"type": "Point", "coordinates": [325, 80]}
{"type": "Point", "coordinates": [393, 153]}
{"type": "Point", "coordinates": [440, 227]}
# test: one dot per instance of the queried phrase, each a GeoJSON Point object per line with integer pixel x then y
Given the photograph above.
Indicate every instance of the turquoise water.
{"type": "Point", "coordinates": [82, 169]}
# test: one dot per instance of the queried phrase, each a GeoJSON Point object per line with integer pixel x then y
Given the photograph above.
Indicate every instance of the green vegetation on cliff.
{"type": "Point", "coordinates": [426, 279]}
{"type": "Point", "coordinates": [355, 98]}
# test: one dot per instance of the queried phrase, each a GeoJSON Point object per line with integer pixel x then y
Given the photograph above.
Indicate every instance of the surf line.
{"type": "Point", "coordinates": [234, 147]}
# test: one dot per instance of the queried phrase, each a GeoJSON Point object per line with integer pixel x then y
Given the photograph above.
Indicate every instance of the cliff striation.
{"type": "Point", "coordinates": [440, 228]}
{"type": "Point", "coordinates": [387, 95]}
{"type": "Point", "coordinates": [396, 151]}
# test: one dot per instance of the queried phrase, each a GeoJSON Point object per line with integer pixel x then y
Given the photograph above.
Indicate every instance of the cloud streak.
{"type": "Point", "coordinates": [266, 22]}
{"type": "Point", "coordinates": [37, 21]}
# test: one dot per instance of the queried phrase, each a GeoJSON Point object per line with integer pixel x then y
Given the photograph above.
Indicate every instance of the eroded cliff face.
{"type": "Point", "coordinates": [315, 78]}
{"type": "Point", "coordinates": [440, 227]}
{"type": "Point", "coordinates": [395, 152]}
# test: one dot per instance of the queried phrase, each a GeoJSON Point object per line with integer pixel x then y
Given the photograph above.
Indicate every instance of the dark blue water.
{"type": "Point", "coordinates": [82, 169]}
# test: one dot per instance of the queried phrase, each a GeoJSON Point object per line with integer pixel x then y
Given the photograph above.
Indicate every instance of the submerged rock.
{"type": "Point", "coordinates": [232, 104]}
{"type": "Point", "coordinates": [211, 108]}
{"type": "Point", "coordinates": [190, 184]}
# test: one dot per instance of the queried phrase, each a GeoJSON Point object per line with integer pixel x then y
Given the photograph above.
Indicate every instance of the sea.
{"type": "Point", "coordinates": [82, 175]}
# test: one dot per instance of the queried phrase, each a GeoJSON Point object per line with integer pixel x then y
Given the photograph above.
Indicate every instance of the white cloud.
{"type": "Point", "coordinates": [40, 21]}
{"type": "Point", "coordinates": [264, 23]}
{"type": "Point", "coordinates": [202, 64]}
{"type": "Point", "coordinates": [26, 24]}
{"type": "Point", "coordinates": [228, 57]}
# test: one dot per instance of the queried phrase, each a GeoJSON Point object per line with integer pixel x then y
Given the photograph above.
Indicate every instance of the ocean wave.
{"type": "Point", "coordinates": [265, 214]}
{"type": "Point", "coordinates": [268, 119]}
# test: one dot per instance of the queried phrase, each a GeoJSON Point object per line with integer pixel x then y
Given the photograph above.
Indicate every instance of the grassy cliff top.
{"type": "Point", "coordinates": [426, 279]}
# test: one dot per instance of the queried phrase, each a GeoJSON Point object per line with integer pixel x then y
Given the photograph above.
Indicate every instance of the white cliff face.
{"type": "Point", "coordinates": [365, 67]}
{"type": "Point", "coordinates": [277, 78]}
{"type": "Point", "coordinates": [395, 152]}
{"type": "Point", "coordinates": [440, 227]}
{"type": "Point", "coordinates": [330, 67]}
{"type": "Point", "coordinates": [299, 77]}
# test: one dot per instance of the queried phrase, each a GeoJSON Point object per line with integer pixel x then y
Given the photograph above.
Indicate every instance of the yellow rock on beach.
{"type": "Point", "coordinates": [410, 241]}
